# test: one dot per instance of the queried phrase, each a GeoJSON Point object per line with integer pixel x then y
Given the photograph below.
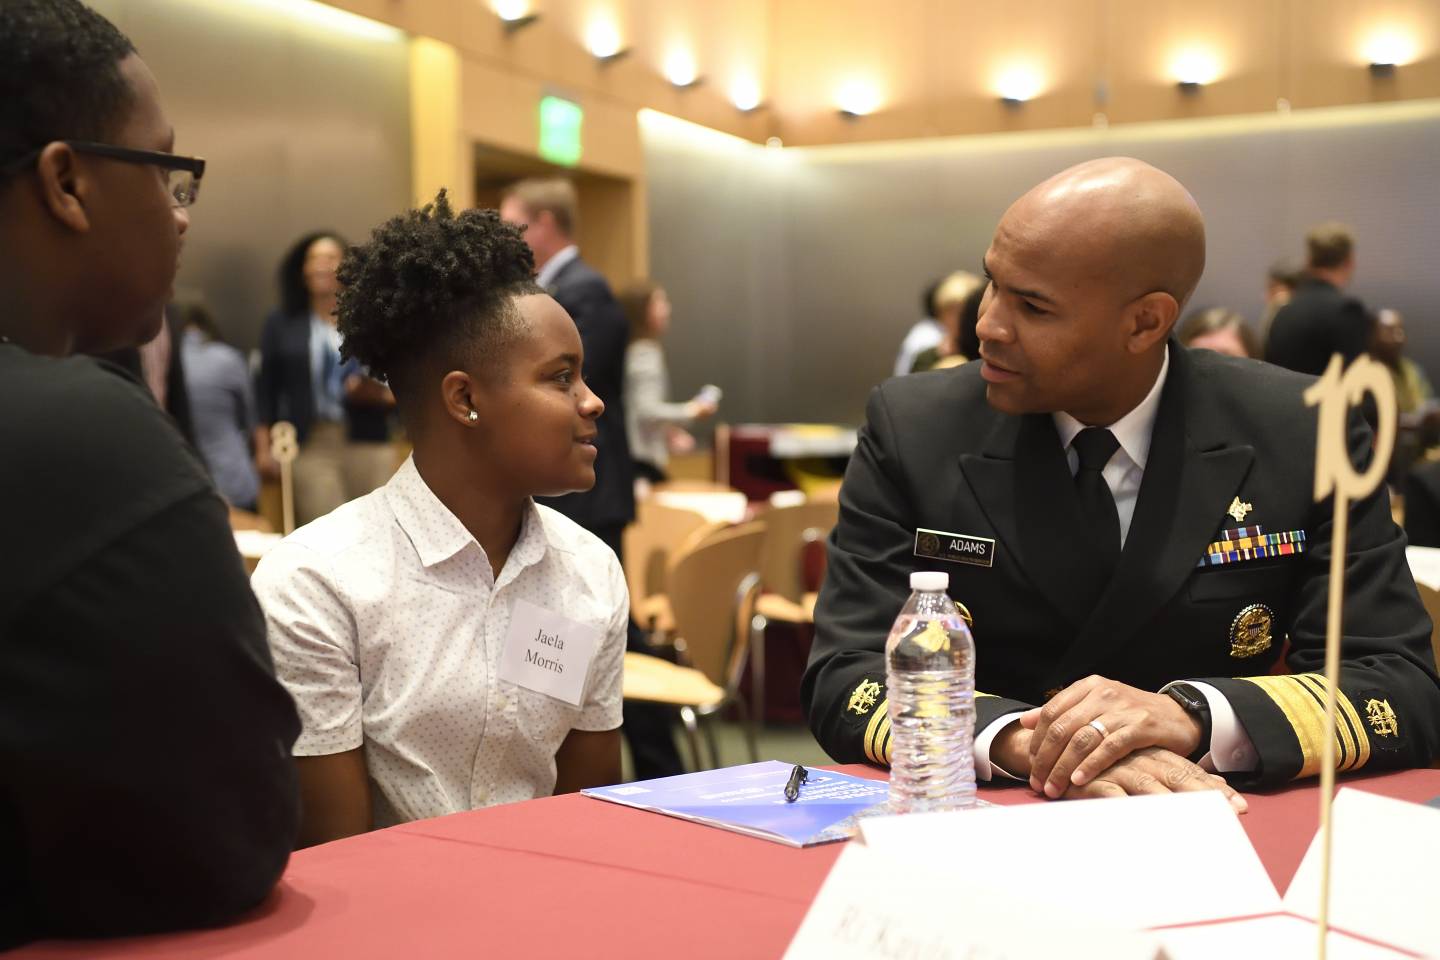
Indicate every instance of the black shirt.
{"type": "Point", "coordinates": [146, 781]}
{"type": "Point", "coordinates": [1319, 321]}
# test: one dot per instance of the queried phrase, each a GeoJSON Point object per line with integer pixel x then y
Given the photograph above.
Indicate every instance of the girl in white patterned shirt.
{"type": "Point", "coordinates": [450, 643]}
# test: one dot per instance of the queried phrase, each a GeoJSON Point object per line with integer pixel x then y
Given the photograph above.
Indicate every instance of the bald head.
{"type": "Point", "coordinates": [1129, 221]}
{"type": "Point", "coordinates": [1089, 271]}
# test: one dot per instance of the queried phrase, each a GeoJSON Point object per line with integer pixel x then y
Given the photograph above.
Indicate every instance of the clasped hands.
{"type": "Point", "coordinates": [1143, 749]}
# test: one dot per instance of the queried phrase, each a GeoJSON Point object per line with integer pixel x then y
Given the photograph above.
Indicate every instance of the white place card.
{"type": "Point", "coordinates": [1384, 872]}
{"type": "Point", "coordinates": [1147, 861]}
{"type": "Point", "coordinates": [548, 653]}
{"type": "Point", "coordinates": [1268, 938]}
{"type": "Point", "coordinates": [874, 907]}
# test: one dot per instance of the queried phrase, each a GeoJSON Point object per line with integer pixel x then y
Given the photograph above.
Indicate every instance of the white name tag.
{"type": "Point", "coordinates": [547, 653]}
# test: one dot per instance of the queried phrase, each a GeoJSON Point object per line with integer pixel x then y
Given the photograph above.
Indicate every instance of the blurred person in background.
{"type": "Point", "coordinates": [1320, 319]}
{"type": "Point", "coordinates": [159, 365]}
{"type": "Point", "coordinates": [654, 425]}
{"type": "Point", "coordinates": [1219, 329]}
{"type": "Point", "coordinates": [1280, 282]}
{"type": "Point", "coordinates": [222, 404]}
{"type": "Point", "coordinates": [924, 335]}
{"type": "Point", "coordinates": [957, 308]}
{"type": "Point", "coordinates": [1419, 420]}
{"type": "Point", "coordinates": [549, 212]}
{"type": "Point", "coordinates": [341, 415]}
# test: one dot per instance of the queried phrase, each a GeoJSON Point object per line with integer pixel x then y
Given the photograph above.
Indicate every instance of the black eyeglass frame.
{"type": "Point", "coordinates": [195, 166]}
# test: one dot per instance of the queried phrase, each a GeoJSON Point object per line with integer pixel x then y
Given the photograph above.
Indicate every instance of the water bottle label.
{"type": "Point", "coordinates": [954, 547]}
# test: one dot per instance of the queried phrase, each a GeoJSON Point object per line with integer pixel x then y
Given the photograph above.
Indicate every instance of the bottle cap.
{"type": "Point", "coordinates": [929, 580]}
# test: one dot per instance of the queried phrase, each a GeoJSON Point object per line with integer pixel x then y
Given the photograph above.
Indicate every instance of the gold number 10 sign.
{"type": "Point", "coordinates": [1334, 394]}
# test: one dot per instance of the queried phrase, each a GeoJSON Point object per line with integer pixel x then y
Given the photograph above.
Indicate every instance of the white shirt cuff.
{"type": "Point", "coordinates": [1231, 750]}
{"type": "Point", "coordinates": [984, 769]}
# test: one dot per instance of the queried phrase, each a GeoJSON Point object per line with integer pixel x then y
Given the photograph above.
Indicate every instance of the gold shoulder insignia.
{"type": "Point", "coordinates": [864, 697]}
{"type": "Point", "coordinates": [1238, 509]}
{"type": "Point", "coordinates": [1382, 719]}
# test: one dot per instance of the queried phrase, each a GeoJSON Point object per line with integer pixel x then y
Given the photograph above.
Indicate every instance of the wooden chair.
{"type": "Point", "coordinates": [656, 535]}
{"type": "Point", "coordinates": [789, 532]}
{"type": "Point", "coordinates": [712, 590]}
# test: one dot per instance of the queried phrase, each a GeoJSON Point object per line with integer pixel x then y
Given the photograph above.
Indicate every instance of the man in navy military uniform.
{"type": "Point", "coordinates": [1131, 525]}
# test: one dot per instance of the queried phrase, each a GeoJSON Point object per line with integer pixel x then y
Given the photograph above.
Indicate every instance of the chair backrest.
{"type": "Point", "coordinates": [657, 533]}
{"type": "Point", "coordinates": [1431, 599]}
{"type": "Point", "coordinates": [787, 530]}
{"type": "Point", "coordinates": [712, 591]}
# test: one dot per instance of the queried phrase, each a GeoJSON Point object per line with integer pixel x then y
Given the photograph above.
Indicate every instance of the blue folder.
{"type": "Point", "coordinates": [750, 799]}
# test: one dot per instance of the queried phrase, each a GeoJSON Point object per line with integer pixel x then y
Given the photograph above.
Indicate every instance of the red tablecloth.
{"type": "Point", "coordinates": [574, 877]}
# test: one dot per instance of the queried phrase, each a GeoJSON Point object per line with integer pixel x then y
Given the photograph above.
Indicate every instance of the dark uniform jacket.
{"type": "Point", "coordinates": [1320, 320]}
{"type": "Point", "coordinates": [605, 333]}
{"type": "Point", "coordinates": [1229, 434]}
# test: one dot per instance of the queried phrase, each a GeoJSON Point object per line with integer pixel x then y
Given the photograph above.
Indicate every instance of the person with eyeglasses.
{"type": "Point", "coordinates": [145, 774]}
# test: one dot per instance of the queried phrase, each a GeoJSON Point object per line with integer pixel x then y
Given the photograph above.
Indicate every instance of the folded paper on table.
{"type": "Point", "coordinates": [1268, 938]}
{"type": "Point", "coordinates": [750, 799]}
{"type": "Point", "coordinates": [1384, 872]}
{"type": "Point", "coordinates": [1149, 861]}
{"type": "Point", "coordinates": [873, 905]}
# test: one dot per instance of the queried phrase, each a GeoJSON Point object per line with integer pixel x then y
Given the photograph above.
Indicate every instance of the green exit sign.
{"type": "Point", "coordinates": [560, 130]}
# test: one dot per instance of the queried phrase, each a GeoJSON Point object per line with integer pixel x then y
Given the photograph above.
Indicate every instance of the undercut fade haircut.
{"type": "Point", "coordinates": [59, 76]}
{"type": "Point", "coordinates": [433, 289]}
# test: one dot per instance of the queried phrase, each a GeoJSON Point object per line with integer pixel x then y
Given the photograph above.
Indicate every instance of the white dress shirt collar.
{"type": "Point", "coordinates": [1133, 430]}
{"type": "Point", "coordinates": [546, 275]}
{"type": "Point", "coordinates": [437, 534]}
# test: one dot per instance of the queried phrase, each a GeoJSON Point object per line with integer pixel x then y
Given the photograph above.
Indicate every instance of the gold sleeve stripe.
{"type": "Point", "coordinates": [1348, 726]}
{"type": "Point", "coordinates": [885, 750]}
{"type": "Point", "coordinates": [979, 694]}
{"type": "Point", "coordinates": [877, 735]}
{"type": "Point", "coordinates": [1301, 698]}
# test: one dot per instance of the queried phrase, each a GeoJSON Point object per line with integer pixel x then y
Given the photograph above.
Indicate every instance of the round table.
{"type": "Point", "coordinates": [575, 877]}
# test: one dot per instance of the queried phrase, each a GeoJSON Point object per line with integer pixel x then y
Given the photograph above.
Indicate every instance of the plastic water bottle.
{"type": "Point", "coordinates": [930, 673]}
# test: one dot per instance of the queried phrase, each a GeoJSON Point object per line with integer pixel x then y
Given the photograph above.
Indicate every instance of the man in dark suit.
{"type": "Point", "coordinates": [1092, 488]}
{"type": "Point", "coordinates": [1320, 320]}
{"type": "Point", "coordinates": [548, 211]}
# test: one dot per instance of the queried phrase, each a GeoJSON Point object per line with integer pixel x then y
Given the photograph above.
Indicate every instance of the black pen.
{"type": "Point", "coordinates": [792, 788]}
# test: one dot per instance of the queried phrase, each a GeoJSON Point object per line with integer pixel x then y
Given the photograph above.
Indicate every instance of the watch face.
{"type": "Point", "coordinates": [1187, 696]}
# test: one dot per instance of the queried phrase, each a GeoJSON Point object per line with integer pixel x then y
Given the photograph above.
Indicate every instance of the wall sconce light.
{"type": "Point", "coordinates": [1193, 69]}
{"type": "Point", "coordinates": [680, 70]}
{"type": "Point", "coordinates": [603, 40]}
{"type": "Point", "coordinates": [1387, 49]}
{"type": "Point", "coordinates": [856, 99]}
{"type": "Point", "coordinates": [515, 14]}
{"type": "Point", "coordinates": [745, 94]}
{"type": "Point", "coordinates": [1018, 84]}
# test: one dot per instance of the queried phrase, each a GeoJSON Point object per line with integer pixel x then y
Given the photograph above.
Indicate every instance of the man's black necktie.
{"type": "Point", "coordinates": [1095, 446]}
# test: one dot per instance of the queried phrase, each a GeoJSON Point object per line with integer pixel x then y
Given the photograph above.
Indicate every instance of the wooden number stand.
{"type": "Point", "coordinates": [284, 447]}
{"type": "Point", "coordinates": [1335, 474]}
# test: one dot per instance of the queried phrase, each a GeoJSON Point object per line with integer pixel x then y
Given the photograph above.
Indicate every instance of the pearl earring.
{"type": "Point", "coordinates": [473, 416]}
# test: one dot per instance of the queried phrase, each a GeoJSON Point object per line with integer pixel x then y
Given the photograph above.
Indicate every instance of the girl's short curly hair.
{"type": "Point", "coordinates": [432, 287]}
